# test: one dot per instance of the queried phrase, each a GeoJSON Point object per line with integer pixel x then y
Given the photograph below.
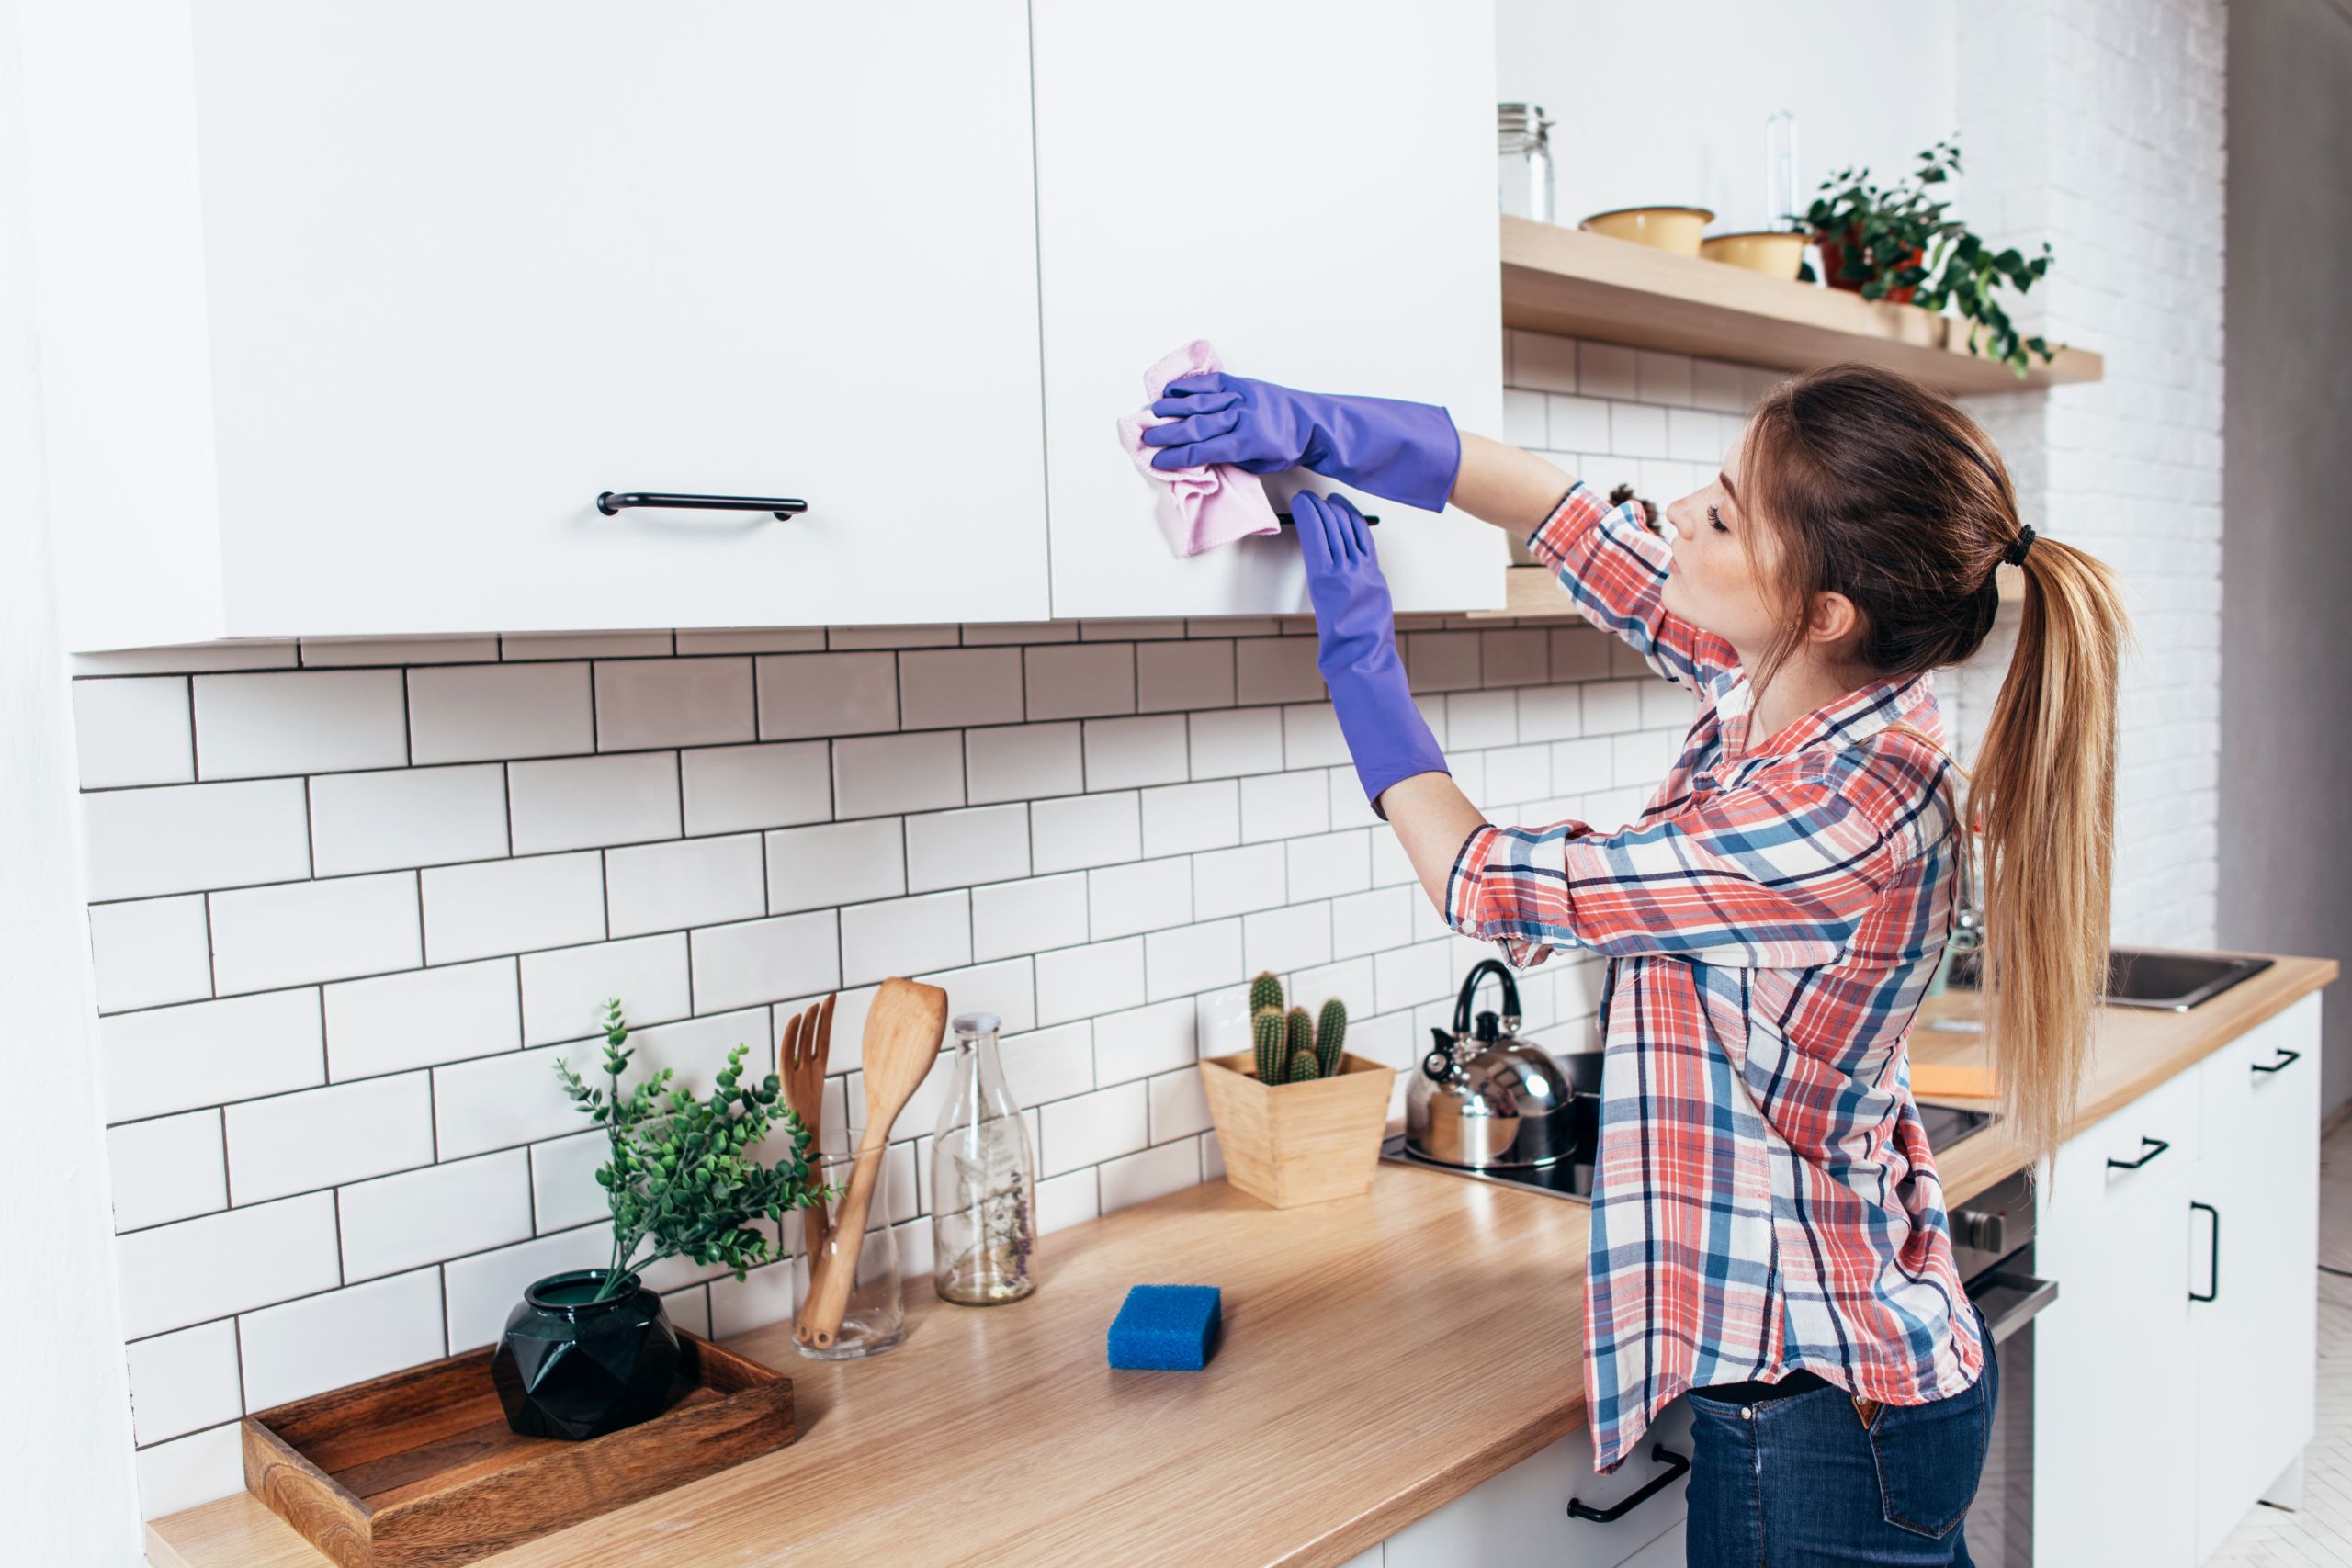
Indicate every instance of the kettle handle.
{"type": "Point", "coordinates": [1470, 991]}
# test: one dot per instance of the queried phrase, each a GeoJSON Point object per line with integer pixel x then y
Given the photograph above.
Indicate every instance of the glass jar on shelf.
{"type": "Point", "coordinates": [1523, 160]}
{"type": "Point", "coordinates": [983, 1179]}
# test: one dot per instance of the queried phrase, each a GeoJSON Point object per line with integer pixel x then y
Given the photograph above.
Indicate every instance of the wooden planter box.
{"type": "Point", "coordinates": [1299, 1143]}
{"type": "Point", "coordinates": [418, 1469]}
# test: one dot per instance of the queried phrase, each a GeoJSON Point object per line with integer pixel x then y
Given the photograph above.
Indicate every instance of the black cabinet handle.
{"type": "Point", "coordinates": [2150, 1149]}
{"type": "Point", "coordinates": [1287, 521]}
{"type": "Point", "coordinates": [1675, 1466]}
{"type": "Point", "coordinates": [610, 503]}
{"type": "Point", "coordinates": [2285, 1059]}
{"type": "Point", "coordinates": [2214, 1286]}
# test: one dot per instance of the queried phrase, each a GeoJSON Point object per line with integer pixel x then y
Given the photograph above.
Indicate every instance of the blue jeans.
{"type": "Point", "coordinates": [1800, 1481]}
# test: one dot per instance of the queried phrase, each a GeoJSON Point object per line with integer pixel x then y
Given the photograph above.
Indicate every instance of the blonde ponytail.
{"type": "Point", "coordinates": [2043, 794]}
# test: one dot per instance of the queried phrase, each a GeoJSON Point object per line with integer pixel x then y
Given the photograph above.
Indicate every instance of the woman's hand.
{"type": "Point", "coordinates": [1357, 627]}
{"type": "Point", "coordinates": [1407, 452]}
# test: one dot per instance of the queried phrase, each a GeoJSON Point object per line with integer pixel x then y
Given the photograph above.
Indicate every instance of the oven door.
{"type": "Point", "coordinates": [2000, 1522]}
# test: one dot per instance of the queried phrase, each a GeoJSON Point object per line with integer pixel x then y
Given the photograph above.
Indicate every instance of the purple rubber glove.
{"type": "Point", "coordinates": [1407, 452]}
{"type": "Point", "coordinates": [1386, 733]}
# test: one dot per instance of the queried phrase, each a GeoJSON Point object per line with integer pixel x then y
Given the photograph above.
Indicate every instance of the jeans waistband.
{"type": "Point", "coordinates": [1750, 1392]}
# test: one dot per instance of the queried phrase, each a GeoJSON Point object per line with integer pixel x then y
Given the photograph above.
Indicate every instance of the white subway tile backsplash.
{"type": "Point", "coordinates": [190, 838]}
{"type": "Point", "coordinates": [1283, 940]}
{"type": "Point", "coordinates": [1179, 1107]}
{"type": "Point", "coordinates": [1065, 1201]}
{"type": "Point", "coordinates": [1523, 423]}
{"type": "Point", "coordinates": [1082, 831]}
{"type": "Point", "coordinates": [564, 990]}
{"type": "Point", "coordinates": [267, 937]}
{"type": "Point", "coordinates": [191, 1470]}
{"type": "Point", "coordinates": [501, 907]}
{"type": "Point", "coordinates": [1082, 982]}
{"type": "Point", "coordinates": [407, 816]}
{"type": "Point", "coordinates": [499, 1102]}
{"type": "Point", "coordinates": [1550, 713]}
{"type": "Point", "coordinates": [1580, 653]}
{"type": "Point", "coordinates": [349, 653]}
{"type": "Point", "coordinates": [1008, 990]}
{"type": "Point", "coordinates": [948, 688]}
{"type": "Point", "coordinates": [1543, 362]}
{"type": "Point", "coordinates": [730, 789]}
{"type": "Point", "coordinates": [1231, 882]}
{"type": "Point", "coordinates": [692, 882]}
{"type": "Point", "coordinates": [1311, 737]}
{"type": "Point", "coordinates": [482, 1289]}
{"type": "Point", "coordinates": [646, 702]}
{"type": "Point", "coordinates": [1152, 1173]}
{"type": "Point", "coordinates": [1276, 669]}
{"type": "Point", "coordinates": [1281, 806]}
{"type": "Point", "coordinates": [323, 1137]}
{"type": "Point", "coordinates": [1661, 377]}
{"type": "Point", "coordinates": [577, 803]}
{"type": "Point", "coordinates": [803, 696]}
{"type": "Point", "coordinates": [1178, 677]}
{"type": "Point", "coordinates": [765, 961]}
{"type": "Point", "coordinates": [1716, 384]}
{"type": "Point", "coordinates": [488, 713]}
{"type": "Point", "coordinates": [421, 1217]}
{"type": "Point", "coordinates": [1579, 424]}
{"type": "Point", "coordinates": [1141, 896]}
{"type": "Point", "coordinates": [260, 654]}
{"type": "Point", "coordinates": [165, 1168]}
{"type": "Point", "coordinates": [906, 936]}
{"type": "Point", "coordinates": [1142, 1042]}
{"type": "Point", "coordinates": [1183, 819]}
{"type": "Point", "coordinates": [185, 1381]}
{"type": "Point", "coordinates": [1442, 661]}
{"type": "Point", "coordinates": [253, 725]}
{"type": "Point", "coordinates": [133, 731]}
{"type": "Point", "coordinates": [1088, 1129]}
{"type": "Point", "coordinates": [1123, 753]}
{"type": "Point", "coordinates": [1518, 773]}
{"type": "Point", "coordinates": [173, 1276]}
{"type": "Point", "coordinates": [1029, 916]}
{"type": "Point", "coordinates": [1191, 958]}
{"type": "Point", "coordinates": [879, 775]}
{"type": "Point", "coordinates": [585, 645]}
{"type": "Point", "coordinates": [178, 1058]}
{"type": "Point", "coordinates": [1404, 976]}
{"type": "Point", "coordinates": [1049, 1064]}
{"type": "Point", "coordinates": [840, 862]}
{"type": "Point", "coordinates": [956, 848]}
{"type": "Point", "coordinates": [1606, 370]}
{"type": "Point", "coordinates": [1024, 762]}
{"type": "Point", "coordinates": [344, 1337]}
{"type": "Point", "coordinates": [151, 952]}
{"type": "Point", "coordinates": [1612, 707]}
{"type": "Point", "coordinates": [1235, 741]}
{"type": "Point", "coordinates": [891, 637]}
{"type": "Point", "coordinates": [1080, 682]}
{"type": "Point", "coordinates": [563, 1180]}
{"type": "Point", "coordinates": [1371, 922]}
{"type": "Point", "coordinates": [1330, 863]}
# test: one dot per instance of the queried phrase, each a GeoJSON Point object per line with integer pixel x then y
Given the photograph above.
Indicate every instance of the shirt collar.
{"type": "Point", "coordinates": [1852, 718]}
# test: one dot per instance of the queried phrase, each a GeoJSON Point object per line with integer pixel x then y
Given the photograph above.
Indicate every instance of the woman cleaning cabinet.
{"type": "Point", "coordinates": [1768, 1233]}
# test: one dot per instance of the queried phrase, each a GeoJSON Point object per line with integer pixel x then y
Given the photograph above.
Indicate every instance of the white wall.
{"type": "Point", "coordinates": [65, 1475]}
{"type": "Point", "coordinates": [1666, 104]}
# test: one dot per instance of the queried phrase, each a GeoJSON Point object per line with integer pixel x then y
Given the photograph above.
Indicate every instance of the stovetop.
{"type": "Point", "coordinates": [1572, 1178]}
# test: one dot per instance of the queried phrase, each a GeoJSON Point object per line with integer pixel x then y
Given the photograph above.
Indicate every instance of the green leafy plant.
{"type": "Point", "coordinates": [681, 1178]}
{"type": "Point", "coordinates": [1895, 243]}
{"type": "Point", "coordinates": [1293, 1046]}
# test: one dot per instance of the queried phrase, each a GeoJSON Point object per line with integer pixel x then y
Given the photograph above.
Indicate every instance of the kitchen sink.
{"type": "Point", "coordinates": [2141, 977]}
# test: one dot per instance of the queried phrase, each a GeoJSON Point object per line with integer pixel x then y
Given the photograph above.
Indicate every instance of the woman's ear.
{"type": "Point", "coordinates": [1831, 619]}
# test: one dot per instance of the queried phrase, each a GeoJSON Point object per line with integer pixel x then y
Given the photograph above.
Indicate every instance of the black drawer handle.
{"type": "Point", "coordinates": [1676, 1466]}
{"type": "Point", "coordinates": [2285, 1059]}
{"type": "Point", "coordinates": [609, 502]}
{"type": "Point", "coordinates": [1287, 521]}
{"type": "Point", "coordinates": [2213, 1289]}
{"type": "Point", "coordinates": [2150, 1149]}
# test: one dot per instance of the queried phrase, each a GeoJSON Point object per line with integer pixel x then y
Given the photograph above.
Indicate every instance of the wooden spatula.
{"type": "Point", "coordinates": [903, 1034]}
{"type": "Point", "coordinates": [807, 1039]}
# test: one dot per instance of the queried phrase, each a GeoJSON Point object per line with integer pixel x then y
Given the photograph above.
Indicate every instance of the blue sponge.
{"type": "Point", "coordinates": [1171, 1328]}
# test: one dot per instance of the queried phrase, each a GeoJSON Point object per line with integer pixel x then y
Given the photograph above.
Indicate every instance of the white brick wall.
{"type": "Point", "coordinates": [2097, 125]}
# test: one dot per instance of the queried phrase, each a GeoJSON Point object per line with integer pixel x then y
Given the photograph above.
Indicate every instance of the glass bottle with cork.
{"type": "Point", "coordinates": [983, 1179]}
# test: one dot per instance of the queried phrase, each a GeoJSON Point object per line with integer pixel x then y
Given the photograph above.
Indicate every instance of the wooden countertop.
{"type": "Point", "coordinates": [1382, 1355]}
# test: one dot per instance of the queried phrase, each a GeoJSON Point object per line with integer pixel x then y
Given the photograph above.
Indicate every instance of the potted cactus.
{"type": "Point", "coordinates": [1299, 1117]}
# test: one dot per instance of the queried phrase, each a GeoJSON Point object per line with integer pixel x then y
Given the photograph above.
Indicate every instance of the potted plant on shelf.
{"type": "Point", "coordinates": [1299, 1118]}
{"type": "Point", "coordinates": [1894, 243]}
{"type": "Point", "coordinates": [591, 1351]}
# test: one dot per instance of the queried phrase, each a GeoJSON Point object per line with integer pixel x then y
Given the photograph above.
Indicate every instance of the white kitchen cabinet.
{"type": "Point", "coordinates": [1310, 187]}
{"type": "Point", "coordinates": [350, 312]}
{"type": "Point", "coordinates": [2159, 1419]}
{"type": "Point", "coordinates": [1522, 1516]}
{"type": "Point", "coordinates": [2256, 1340]}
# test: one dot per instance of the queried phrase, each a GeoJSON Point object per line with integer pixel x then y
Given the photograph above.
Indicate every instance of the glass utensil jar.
{"type": "Point", "coordinates": [874, 1317]}
{"type": "Point", "coordinates": [983, 1179]}
{"type": "Point", "coordinates": [1524, 161]}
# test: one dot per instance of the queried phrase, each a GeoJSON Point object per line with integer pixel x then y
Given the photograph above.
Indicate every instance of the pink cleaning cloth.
{"type": "Point", "coordinates": [1209, 505]}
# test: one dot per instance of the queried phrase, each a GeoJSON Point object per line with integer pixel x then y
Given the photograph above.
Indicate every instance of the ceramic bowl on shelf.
{"type": "Point", "coordinates": [1776, 253]}
{"type": "Point", "coordinates": [1675, 228]}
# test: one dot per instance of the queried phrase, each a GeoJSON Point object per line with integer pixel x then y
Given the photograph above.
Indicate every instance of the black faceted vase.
{"type": "Point", "coordinates": [571, 1367]}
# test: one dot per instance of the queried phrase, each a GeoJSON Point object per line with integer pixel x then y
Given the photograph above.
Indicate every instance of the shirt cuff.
{"type": "Point", "coordinates": [1563, 537]}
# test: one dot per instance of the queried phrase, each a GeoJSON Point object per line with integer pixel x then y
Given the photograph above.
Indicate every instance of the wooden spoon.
{"type": "Point", "coordinates": [805, 1039]}
{"type": "Point", "coordinates": [903, 1034]}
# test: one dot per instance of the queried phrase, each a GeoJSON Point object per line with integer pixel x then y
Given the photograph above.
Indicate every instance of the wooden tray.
{"type": "Point", "coordinates": [418, 1469]}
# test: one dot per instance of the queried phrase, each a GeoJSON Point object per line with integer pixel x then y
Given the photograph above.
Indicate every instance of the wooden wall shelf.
{"type": "Point", "coordinates": [1578, 285]}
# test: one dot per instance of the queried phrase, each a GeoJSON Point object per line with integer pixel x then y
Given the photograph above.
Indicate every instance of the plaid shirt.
{"type": "Point", "coordinates": [1764, 1200]}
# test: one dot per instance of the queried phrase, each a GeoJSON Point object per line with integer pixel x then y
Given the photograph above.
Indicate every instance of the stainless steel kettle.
{"type": "Point", "coordinates": [1489, 1100]}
